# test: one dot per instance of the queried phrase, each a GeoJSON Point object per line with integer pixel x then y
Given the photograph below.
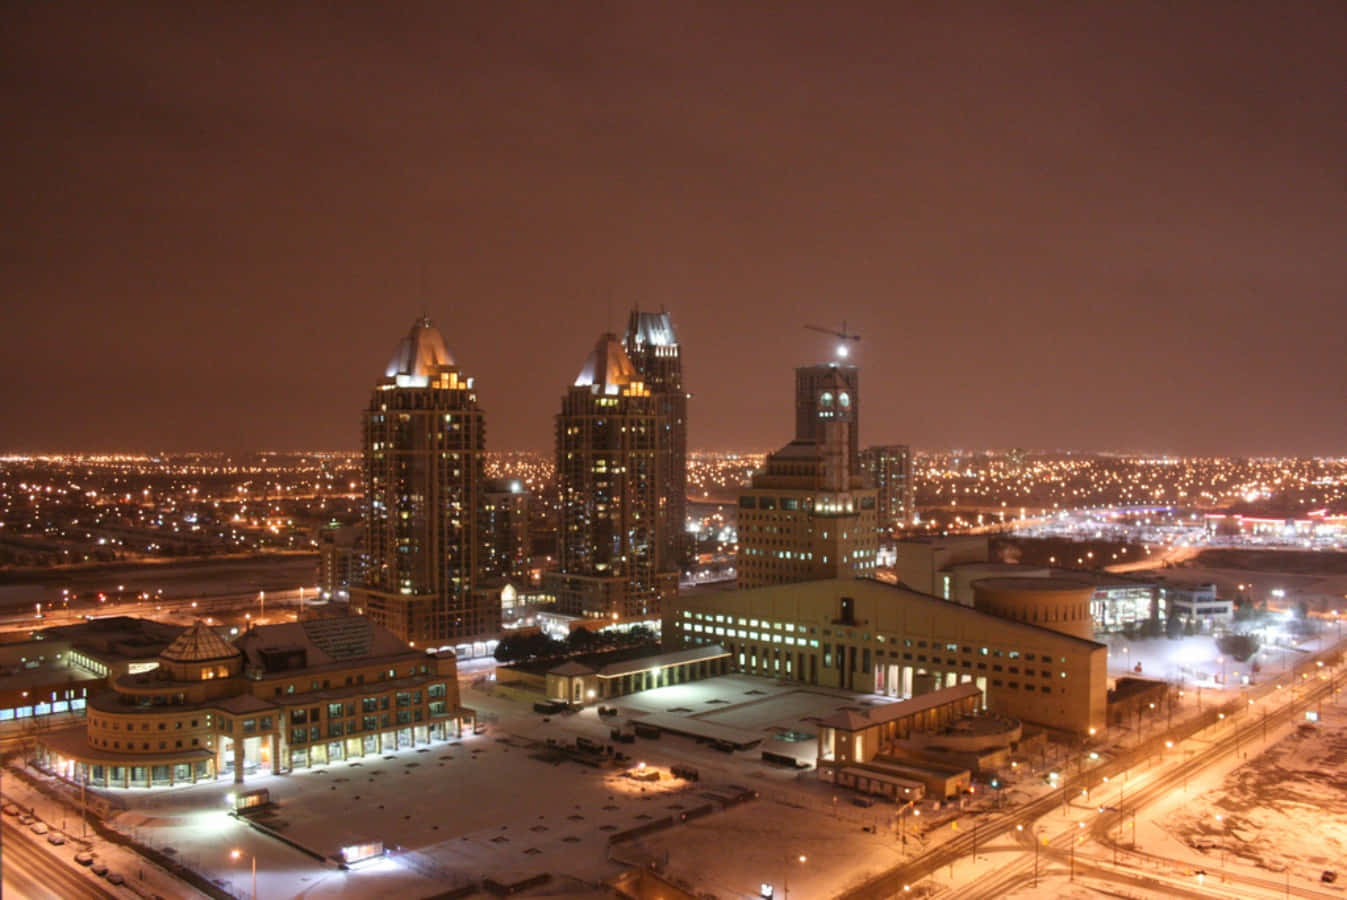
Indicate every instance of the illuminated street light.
{"type": "Point", "coordinates": [234, 855]}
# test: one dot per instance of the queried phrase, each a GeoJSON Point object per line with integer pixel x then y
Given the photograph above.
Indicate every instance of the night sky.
{"type": "Point", "coordinates": [1105, 226]}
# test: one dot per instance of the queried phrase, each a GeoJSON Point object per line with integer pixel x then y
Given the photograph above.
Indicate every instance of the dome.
{"type": "Point", "coordinates": [199, 644]}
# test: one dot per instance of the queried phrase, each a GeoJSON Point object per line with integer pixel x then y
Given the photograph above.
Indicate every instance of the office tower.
{"type": "Point", "coordinates": [503, 523]}
{"type": "Point", "coordinates": [808, 515]}
{"type": "Point", "coordinates": [810, 419]}
{"type": "Point", "coordinates": [609, 473]}
{"type": "Point", "coordinates": [888, 469]}
{"type": "Point", "coordinates": [652, 345]}
{"type": "Point", "coordinates": [423, 441]}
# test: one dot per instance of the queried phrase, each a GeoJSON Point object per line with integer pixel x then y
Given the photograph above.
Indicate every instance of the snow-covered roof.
{"type": "Point", "coordinates": [853, 720]}
{"type": "Point", "coordinates": [571, 668]}
{"type": "Point", "coordinates": [663, 660]}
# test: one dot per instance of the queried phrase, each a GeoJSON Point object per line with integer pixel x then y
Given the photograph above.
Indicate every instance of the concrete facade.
{"type": "Point", "coordinates": [925, 564]}
{"type": "Point", "coordinates": [868, 636]}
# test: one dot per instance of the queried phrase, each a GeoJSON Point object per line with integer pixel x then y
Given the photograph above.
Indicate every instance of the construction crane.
{"type": "Point", "coordinates": [841, 334]}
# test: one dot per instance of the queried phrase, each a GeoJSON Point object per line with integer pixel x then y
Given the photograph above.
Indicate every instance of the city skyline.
{"type": "Point", "coordinates": [1079, 228]}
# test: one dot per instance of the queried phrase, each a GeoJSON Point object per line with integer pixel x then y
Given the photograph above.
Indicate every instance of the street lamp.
{"type": "Point", "coordinates": [235, 854]}
{"type": "Point", "coordinates": [785, 884]}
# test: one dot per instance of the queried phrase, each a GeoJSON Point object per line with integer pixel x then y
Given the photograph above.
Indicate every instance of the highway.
{"type": "Point", "coordinates": [277, 606]}
{"type": "Point", "coordinates": [34, 872]}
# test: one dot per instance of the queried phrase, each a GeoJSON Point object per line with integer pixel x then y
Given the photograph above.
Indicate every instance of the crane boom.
{"type": "Point", "coordinates": [841, 334]}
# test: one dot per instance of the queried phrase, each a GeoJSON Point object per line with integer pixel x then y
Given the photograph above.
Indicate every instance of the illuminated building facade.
{"type": "Point", "coordinates": [340, 558]}
{"type": "Point", "coordinates": [424, 438]}
{"type": "Point", "coordinates": [888, 469]}
{"type": "Point", "coordinates": [608, 438]}
{"type": "Point", "coordinates": [843, 382]}
{"type": "Point", "coordinates": [280, 697]}
{"type": "Point", "coordinates": [866, 635]}
{"type": "Point", "coordinates": [808, 515]}
{"type": "Point", "coordinates": [652, 345]}
{"type": "Point", "coordinates": [503, 523]}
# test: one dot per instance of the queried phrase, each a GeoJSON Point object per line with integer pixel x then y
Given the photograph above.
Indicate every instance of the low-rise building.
{"type": "Point", "coordinates": [869, 636]}
{"type": "Point", "coordinates": [279, 697]}
{"type": "Point", "coordinates": [576, 683]}
{"type": "Point", "coordinates": [926, 564]}
{"type": "Point", "coordinates": [1194, 602]}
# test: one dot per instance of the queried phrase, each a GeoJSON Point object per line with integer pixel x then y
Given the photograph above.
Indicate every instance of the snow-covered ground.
{"type": "Point", "coordinates": [1196, 661]}
{"type": "Point", "coordinates": [452, 813]}
{"type": "Point", "coordinates": [1284, 808]}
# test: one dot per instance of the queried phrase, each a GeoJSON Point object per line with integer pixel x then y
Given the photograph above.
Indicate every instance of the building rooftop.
{"type": "Point", "coordinates": [1033, 583]}
{"type": "Point", "coordinates": [421, 353]}
{"type": "Point", "coordinates": [693, 654]}
{"type": "Point", "coordinates": [607, 366]}
{"type": "Point", "coordinates": [321, 642]}
{"type": "Point", "coordinates": [808, 593]}
{"type": "Point", "coordinates": [116, 638]}
{"type": "Point", "coordinates": [655, 329]}
{"type": "Point", "coordinates": [199, 643]}
{"type": "Point", "coordinates": [853, 720]}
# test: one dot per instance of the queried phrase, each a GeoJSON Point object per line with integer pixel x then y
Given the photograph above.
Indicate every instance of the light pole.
{"type": "Point", "coordinates": [1033, 834]}
{"type": "Point", "coordinates": [785, 884]}
{"type": "Point", "coordinates": [234, 855]}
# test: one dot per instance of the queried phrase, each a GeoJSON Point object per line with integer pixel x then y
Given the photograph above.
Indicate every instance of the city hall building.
{"type": "Point", "coordinates": [869, 636]}
{"type": "Point", "coordinates": [279, 697]}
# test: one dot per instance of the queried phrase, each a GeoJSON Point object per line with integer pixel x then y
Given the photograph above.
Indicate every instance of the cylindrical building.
{"type": "Point", "coordinates": [1062, 604]}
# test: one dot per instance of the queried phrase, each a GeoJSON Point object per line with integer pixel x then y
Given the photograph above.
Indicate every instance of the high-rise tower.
{"type": "Point", "coordinates": [612, 549]}
{"type": "Point", "coordinates": [889, 470]}
{"type": "Point", "coordinates": [652, 345]}
{"type": "Point", "coordinates": [808, 514]}
{"type": "Point", "coordinates": [423, 440]}
{"type": "Point", "coordinates": [810, 419]}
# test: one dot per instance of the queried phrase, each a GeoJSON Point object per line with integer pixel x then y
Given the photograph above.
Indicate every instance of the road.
{"type": "Point", "coordinates": [1106, 828]}
{"type": "Point", "coordinates": [32, 872]}
{"type": "Point", "coordinates": [1238, 729]}
{"type": "Point", "coordinates": [277, 606]}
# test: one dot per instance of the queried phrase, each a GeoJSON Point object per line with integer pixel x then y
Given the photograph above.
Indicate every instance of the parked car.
{"type": "Point", "coordinates": [11, 809]}
{"type": "Point", "coordinates": [115, 878]}
{"type": "Point", "coordinates": [38, 827]}
{"type": "Point", "coordinates": [84, 858]}
{"type": "Point", "coordinates": [56, 839]}
{"type": "Point", "coordinates": [1329, 876]}
{"type": "Point", "coordinates": [99, 869]}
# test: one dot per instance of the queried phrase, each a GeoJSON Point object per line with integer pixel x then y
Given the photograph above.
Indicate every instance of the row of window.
{"type": "Point", "coordinates": [144, 745]}
{"type": "Point", "coordinates": [116, 724]}
{"type": "Point", "coordinates": [789, 627]}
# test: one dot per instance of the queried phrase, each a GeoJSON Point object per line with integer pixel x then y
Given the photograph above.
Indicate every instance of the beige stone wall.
{"type": "Point", "coordinates": [796, 632]}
